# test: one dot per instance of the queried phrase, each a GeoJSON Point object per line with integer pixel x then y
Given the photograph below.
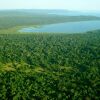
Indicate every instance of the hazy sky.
{"type": "Point", "coordinates": [51, 4]}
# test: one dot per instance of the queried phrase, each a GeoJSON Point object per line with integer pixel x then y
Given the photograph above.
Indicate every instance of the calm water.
{"type": "Point", "coordinates": [76, 13]}
{"type": "Point", "coordinates": [68, 27]}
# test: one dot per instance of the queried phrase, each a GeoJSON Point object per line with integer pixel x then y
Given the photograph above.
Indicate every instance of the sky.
{"type": "Point", "coordinates": [51, 4]}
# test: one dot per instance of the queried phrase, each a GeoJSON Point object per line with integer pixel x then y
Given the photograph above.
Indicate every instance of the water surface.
{"type": "Point", "coordinates": [68, 27]}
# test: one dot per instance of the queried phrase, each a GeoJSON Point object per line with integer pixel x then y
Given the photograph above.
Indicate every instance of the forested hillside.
{"type": "Point", "coordinates": [44, 66]}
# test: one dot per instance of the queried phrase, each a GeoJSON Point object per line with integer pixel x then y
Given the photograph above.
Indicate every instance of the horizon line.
{"type": "Point", "coordinates": [43, 9]}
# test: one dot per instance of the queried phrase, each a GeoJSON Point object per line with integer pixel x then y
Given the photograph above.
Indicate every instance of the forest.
{"type": "Point", "coordinates": [48, 66]}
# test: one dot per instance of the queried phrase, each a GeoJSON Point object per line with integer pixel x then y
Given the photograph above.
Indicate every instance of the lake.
{"type": "Point", "coordinates": [76, 13]}
{"type": "Point", "coordinates": [68, 27]}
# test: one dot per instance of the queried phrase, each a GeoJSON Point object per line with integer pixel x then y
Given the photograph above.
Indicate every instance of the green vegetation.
{"type": "Point", "coordinates": [50, 66]}
{"type": "Point", "coordinates": [43, 66]}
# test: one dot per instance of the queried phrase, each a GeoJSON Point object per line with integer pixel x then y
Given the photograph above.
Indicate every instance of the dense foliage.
{"type": "Point", "coordinates": [50, 66]}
